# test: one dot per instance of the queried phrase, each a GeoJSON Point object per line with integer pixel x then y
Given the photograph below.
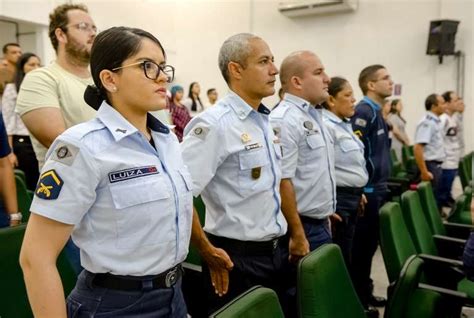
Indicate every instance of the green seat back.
{"type": "Point", "coordinates": [324, 288]}
{"type": "Point", "coordinates": [14, 300]}
{"type": "Point", "coordinates": [417, 225]}
{"type": "Point", "coordinates": [21, 174]}
{"type": "Point", "coordinates": [459, 214]}
{"type": "Point", "coordinates": [395, 241]}
{"type": "Point", "coordinates": [23, 198]}
{"type": "Point", "coordinates": [430, 208]}
{"type": "Point", "coordinates": [407, 299]}
{"type": "Point", "coordinates": [257, 302]}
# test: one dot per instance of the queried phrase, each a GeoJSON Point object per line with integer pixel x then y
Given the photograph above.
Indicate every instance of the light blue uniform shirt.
{"type": "Point", "coordinates": [308, 156]}
{"type": "Point", "coordinates": [131, 204]}
{"type": "Point", "coordinates": [349, 152]}
{"type": "Point", "coordinates": [429, 132]}
{"type": "Point", "coordinates": [234, 160]}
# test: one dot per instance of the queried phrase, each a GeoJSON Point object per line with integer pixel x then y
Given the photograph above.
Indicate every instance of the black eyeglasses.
{"type": "Point", "coordinates": [153, 70]}
{"type": "Point", "coordinates": [85, 27]}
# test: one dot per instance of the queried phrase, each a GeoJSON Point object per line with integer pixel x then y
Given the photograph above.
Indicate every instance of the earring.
{"type": "Point", "coordinates": [114, 89]}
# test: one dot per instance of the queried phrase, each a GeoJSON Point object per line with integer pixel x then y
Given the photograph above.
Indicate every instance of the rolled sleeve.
{"type": "Point", "coordinates": [423, 133]}
{"type": "Point", "coordinates": [203, 150]}
{"type": "Point", "coordinates": [78, 178]}
{"type": "Point", "coordinates": [289, 142]}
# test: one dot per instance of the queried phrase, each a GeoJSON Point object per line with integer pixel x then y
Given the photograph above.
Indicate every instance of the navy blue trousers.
{"type": "Point", "coordinates": [88, 301]}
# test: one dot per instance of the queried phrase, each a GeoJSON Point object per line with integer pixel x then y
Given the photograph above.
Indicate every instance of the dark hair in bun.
{"type": "Point", "coordinates": [111, 47]}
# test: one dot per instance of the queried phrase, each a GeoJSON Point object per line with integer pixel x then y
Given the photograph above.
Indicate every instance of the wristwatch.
{"type": "Point", "coordinates": [15, 216]}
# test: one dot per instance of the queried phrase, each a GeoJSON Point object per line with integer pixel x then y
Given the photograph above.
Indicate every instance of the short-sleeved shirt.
{"type": "Point", "coordinates": [429, 132]}
{"type": "Point", "coordinates": [234, 159]}
{"type": "Point", "coordinates": [396, 121]}
{"type": "Point", "coordinates": [4, 146]}
{"type": "Point", "coordinates": [52, 86]}
{"type": "Point", "coordinates": [131, 203]}
{"type": "Point", "coordinates": [348, 152]}
{"type": "Point", "coordinates": [308, 155]}
{"type": "Point", "coordinates": [369, 125]}
{"type": "Point", "coordinates": [451, 141]}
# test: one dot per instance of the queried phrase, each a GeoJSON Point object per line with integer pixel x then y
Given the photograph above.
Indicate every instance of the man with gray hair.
{"type": "Point", "coordinates": [234, 159]}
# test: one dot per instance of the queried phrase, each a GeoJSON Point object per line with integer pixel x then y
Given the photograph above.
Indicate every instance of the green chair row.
{"type": "Point", "coordinates": [465, 170]}
{"type": "Point", "coordinates": [325, 290]}
{"type": "Point", "coordinates": [14, 301]}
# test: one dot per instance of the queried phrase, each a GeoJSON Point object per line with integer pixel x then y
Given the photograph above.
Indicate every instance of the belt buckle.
{"type": "Point", "coordinates": [275, 244]}
{"type": "Point", "coordinates": [171, 277]}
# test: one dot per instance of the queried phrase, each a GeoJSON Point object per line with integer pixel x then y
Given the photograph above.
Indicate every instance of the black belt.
{"type": "Point", "coordinates": [306, 219]}
{"type": "Point", "coordinates": [435, 162]}
{"type": "Point", "coordinates": [20, 138]}
{"type": "Point", "coordinates": [163, 280]}
{"type": "Point", "coordinates": [251, 248]}
{"type": "Point", "coordinates": [350, 190]}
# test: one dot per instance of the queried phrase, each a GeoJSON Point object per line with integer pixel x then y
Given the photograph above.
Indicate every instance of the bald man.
{"type": "Point", "coordinates": [308, 187]}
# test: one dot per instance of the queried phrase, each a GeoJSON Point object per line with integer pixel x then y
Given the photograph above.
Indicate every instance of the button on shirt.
{"type": "Point", "coordinates": [234, 159]}
{"type": "Point", "coordinates": [349, 152]}
{"type": "Point", "coordinates": [429, 132]}
{"type": "Point", "coordinates": [451, 141]}
{"type": "Point", "coordinates": [308, 156]}
{"type": "Point", "coordinates": [131, 204]}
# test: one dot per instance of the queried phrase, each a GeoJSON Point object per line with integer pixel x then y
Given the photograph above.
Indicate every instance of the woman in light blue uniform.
{"type": "Point", "coordinates": [119, 185]}
{"type": "Point", "coordinates": [351, 173]}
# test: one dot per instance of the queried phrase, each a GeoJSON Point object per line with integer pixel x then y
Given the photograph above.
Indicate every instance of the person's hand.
{"type": "Point", "coordinates": [362, 203]}
{"type": "Point", "coordinates": [333, 220]}
{"type": "Point", "coordinates": [298, 248]}
{"type": "Point", "coordinates": [219, 264]}
{"type": "Point", "coordinates": [426, 176]}
{"type": "Point", "coordinates": [13, 160]}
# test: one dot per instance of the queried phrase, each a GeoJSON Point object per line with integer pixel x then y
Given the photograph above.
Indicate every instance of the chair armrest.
{"type": "Point", "coordinates": [453, 295]}
{"type": "Point", "coordinates": [449, 247]}
{"type": "Point", "coordinates": [458, 230]}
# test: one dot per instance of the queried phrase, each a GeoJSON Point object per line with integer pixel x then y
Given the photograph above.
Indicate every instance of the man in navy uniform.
{"type": "Point", "coordinates": [234, 159]}
{"type": "Point", "coordinates": [368, 123]}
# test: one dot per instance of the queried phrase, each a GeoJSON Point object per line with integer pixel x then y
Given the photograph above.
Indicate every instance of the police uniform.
{"type": "Point", "coordinates": [369, 125]}
{"type": "Point", "coordinates": [131, 204]}
{"type": "Point", "coordinates": [234, 159]}
{"type": "Point", "coordinates": [4, 152]}
{"type": "Point", "coordinates": [429, 132]}
{"type": "Point", "coordinates": [351, 177]}
{"type": "Point", "coordinates": [308, 160]}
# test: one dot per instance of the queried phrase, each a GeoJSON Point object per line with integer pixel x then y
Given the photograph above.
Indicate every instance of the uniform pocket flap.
{"type": "Point", "coordinates": [253, 159]}
{"type": "Point", "coordinates": [126, 194]}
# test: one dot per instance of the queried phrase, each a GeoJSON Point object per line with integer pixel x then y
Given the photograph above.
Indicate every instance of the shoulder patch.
{"type": "Point", "coordinates": [49, 185]}
{"type": "Point", "coordinates": [200, 132]}
{"type": "Point", "coordinates": [358, 133]}
{"type": "Point", "coordinates": [64, 153]}
{"type": "Point", "coordinates": [361, 122]}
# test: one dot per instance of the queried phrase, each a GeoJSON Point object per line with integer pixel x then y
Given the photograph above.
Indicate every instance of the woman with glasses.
{"type": "Point", "coordinates": [119, 185]}
{"type": "Point", "coordinates": [22, 156]}
{"type": "Point", "coordinates": [351, 173]}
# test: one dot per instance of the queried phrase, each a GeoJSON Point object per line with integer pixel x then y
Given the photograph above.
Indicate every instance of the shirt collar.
{"type": "Point", "coordinates": [332, 117]}
{"type": "Point", "coordinates": [433, 115]}
{"type": "Point", "coordinates": [298, 101]}
{"type": "Point", "coordinates": [120, 127]}
{"type": "Point", "coordinates": [371, 103]}
{"type": "Point", "coordinates": [241, 108]}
